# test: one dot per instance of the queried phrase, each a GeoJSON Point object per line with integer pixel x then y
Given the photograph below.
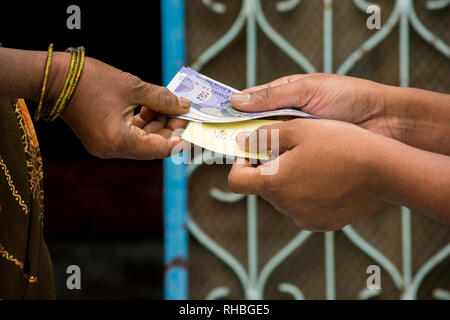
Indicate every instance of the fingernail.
{"type": "Point", "coordinates": [241, 139]}
{"type": "Point", "coordinates": [240, 97]}
{"type": "Point", "coordinates": [184, 103]}
{"type": "Point", "coordinates": [174, 139]}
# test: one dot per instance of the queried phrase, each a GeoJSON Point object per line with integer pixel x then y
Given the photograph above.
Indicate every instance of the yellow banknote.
{"type": "Point", "coordinates": [221, 137]}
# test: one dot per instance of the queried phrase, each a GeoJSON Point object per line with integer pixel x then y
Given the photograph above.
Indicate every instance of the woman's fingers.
{"type": "Point", "coordinates": [158, 98]}
{"type": "Point", "coordinates": [144, 116]}
{"type": "Point", "coordinates": [175, 124]}
{"type": "Point", "coordinates": [146, 113]}
{"type": "Point", "coordinates": [143, 146]}
{"type": "Point", "coordinates": [156, 125]}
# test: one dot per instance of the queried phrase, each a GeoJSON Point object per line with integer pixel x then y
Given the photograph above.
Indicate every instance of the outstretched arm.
{"type": "Point", "coordinates": [414, 178]}
{"type": "Point", "coordinates": [421, 118]}
{"type": "Point", "coordinates": [101, 111]}
{"type": "Point", "coordinates": [416, 117]}
{"type": "Point", "coordinates": [331, 173]}
{"type": "Point", "coordinates": [22, 72]}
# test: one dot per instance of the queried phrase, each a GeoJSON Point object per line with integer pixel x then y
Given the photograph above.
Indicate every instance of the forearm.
{"type": "Point", "coordinates": [414, 178]}
{"type": "Point", "coordinates": [22, 73]}
{"type": "Point", "coordinates": [419, 118]}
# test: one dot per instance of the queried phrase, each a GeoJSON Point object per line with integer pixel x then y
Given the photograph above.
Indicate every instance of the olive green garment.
{"type": "Point", "coordinates": [25, 264]}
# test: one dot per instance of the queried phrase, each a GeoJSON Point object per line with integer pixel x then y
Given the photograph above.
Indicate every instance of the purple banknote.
{"type": "Point", "coordinates": [210, 100]}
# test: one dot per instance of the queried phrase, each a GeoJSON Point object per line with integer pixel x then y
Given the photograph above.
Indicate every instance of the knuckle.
{"type": "Point", "coordinates": [299, 223]}
{"type": "Point", "coordinates": [233, 182]}
{"type": "Point", "coordinates": [283, 210]}
{"type": "Point", "coordinates": [269, 92]}
{"type": "Point", "coordinates": [290, 79]}
{"type": "Point", "coordinates": [166, 97]}
{"type": "Point", "coordinates": [150, 90]}
{"type": "Point", "coordinates": [161, 97]}
{"type": "Point", "coordinates": [290, 209]}
{"type": "Point", "coordinates": [132, 80]}
{"type": "Point", "coordinates": [135, 85]}
{"type": "Point", "coordinates": [264, 94]}
{"type": "Point", "coordinates": [323, 222]}
{"type": "Point", "coordinates": [268, 183]}
{"type": "Point", "coordinates": [327, 227]}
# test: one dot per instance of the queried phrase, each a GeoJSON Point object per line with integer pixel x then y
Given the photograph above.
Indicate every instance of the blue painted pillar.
{"type": "Point", "coordinates": [175, 177]}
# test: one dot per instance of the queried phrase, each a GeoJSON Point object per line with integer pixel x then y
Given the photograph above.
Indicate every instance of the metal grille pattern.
{"type": "Point", "coordinates": [262, 254]}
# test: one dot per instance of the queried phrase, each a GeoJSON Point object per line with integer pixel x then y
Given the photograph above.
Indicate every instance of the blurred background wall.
{"type": "Point", "coordinates": [304, 272]}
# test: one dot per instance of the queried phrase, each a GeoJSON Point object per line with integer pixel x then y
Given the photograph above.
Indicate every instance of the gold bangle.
{"type": "Point", "coordinates": [44, 84]}
{"type": "Point", "coordinates": [47, 113]}
{"type": "Point", "coordinates": [75, 69]}
{"type": "Point", "coordinates": [73, 84]}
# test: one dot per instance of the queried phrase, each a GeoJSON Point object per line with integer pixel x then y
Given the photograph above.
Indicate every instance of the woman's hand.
{"type": "Point", "coordinates": [325, 177]}
{"type": "Point", "coordinates": [101, 112]}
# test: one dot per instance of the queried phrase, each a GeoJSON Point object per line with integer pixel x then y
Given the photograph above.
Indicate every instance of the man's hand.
{"type": "Point", "coordinates": [101, 113]}
{"type": "Point", "coordinates": [325, 177]}
{"type": "Point", "coordinates": [327, 96]}
{"type": "Point", "coordinates": [416, 117]}
{"type": "Point", "coordinates": [331, 173]}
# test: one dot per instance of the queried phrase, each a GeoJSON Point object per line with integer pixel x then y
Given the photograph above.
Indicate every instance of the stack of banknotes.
{"type": "Point", "coordinates": [210, 100]}
{"type": "Point", "coordinates": [214, 122]}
